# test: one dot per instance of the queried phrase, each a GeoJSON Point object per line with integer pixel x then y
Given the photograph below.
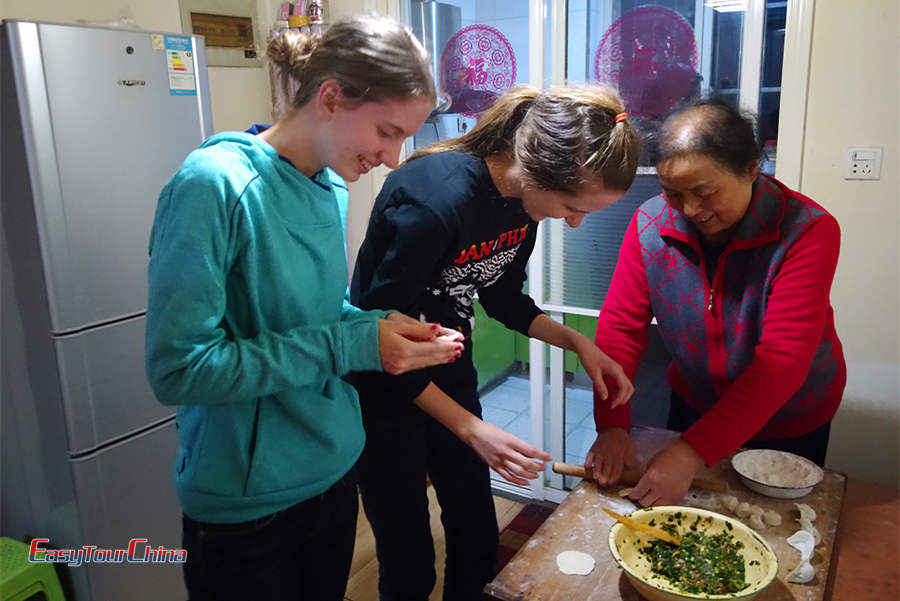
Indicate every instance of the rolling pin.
{"type": "Point", "coordinates": [631, 476]}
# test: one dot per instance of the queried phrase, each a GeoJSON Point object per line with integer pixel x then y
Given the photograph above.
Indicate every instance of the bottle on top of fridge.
{"type": "Point", "coordinates": [299, 22]}
{"type": "Point", "coordinates": [297, 18]}
{"type": "Point", "coordinates": [316, 18]}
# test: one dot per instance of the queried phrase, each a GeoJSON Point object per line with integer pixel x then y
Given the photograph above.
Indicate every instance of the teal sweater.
{"type": "Point", "coordinates": [249, 330]}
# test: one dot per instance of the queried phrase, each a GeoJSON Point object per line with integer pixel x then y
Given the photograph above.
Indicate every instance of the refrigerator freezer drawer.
{"type": "Point", "coordinates": [105, 392]}
{"type": "Point", "coordinates": [127, 491]}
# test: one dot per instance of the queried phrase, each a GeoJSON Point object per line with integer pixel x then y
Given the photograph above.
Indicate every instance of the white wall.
{"type": "Point", "coordinates": [853, 101]}
{"type": "Point", "coordinates": [239, 96]}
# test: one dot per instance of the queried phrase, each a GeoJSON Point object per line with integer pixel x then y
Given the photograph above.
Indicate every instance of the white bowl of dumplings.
{"type": "Point", "coordinates": [777, 473]}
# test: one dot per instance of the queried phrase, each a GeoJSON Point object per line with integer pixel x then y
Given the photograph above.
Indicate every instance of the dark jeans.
{"type": "Point", "coordinates": [400, 450]}
{"type": "Point", "coordinates": [812, 445]}
{"type": "Point", "coordinates": [300, 553]}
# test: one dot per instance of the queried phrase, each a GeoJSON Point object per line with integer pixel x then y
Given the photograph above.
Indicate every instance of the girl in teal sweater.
{"type": "Point", "coordinates": [249, 329]}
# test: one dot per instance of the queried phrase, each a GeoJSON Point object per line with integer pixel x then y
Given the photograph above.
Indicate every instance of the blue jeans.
{"type": "Point", "coordinates": [812, 445]}
{"type": "Point", "coordinates": [300, 553]}
{"type": "Point", "coordinates": [400, 451]}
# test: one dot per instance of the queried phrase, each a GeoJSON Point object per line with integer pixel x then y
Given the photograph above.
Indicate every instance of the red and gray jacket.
{"type": "Point", "coordinates": [754, 350]}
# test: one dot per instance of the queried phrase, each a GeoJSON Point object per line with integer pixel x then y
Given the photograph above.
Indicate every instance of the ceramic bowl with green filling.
{"type": "Point", "coordinates": [630, 549]}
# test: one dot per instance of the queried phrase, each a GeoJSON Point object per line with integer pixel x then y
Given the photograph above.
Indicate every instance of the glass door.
{"type": "Point", "coordinates": [658, 56]}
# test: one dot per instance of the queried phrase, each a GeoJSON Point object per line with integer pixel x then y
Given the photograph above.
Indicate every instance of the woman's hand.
{"type": "Point", "coordinates": [598, 365]}
{"type": "Point", "coordinates": [507, 455]}
{"type": "Point", "coordinates": [406, 344]}
{"type": "Point", "coordinates": [611, 453]}
{"type": "Point", "coordinates": [668, 476]}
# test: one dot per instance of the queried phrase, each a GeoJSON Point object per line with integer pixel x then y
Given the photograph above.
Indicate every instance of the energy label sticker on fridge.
{"type": "Point", "coordinates": [180, 61]}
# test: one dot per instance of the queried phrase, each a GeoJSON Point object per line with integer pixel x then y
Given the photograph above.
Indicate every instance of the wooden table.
{"type": "Point", "coordinates": [868, 535]}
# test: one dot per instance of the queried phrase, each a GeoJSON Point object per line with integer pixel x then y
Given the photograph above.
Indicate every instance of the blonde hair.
{"type": "Point", "coordinates": [372, 58]}
{"type": "Point", "coordinates": [559, 137]}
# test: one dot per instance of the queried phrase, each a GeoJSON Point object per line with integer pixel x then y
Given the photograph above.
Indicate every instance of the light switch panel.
{"type": "Point", "coordinates": [863, 163]}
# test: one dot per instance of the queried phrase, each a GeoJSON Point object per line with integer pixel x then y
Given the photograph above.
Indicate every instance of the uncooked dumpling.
{"type": "Point", "coordinates": [802, 574]}
{"type": "Point", "coordinates": [804, 543]}
{"type": "Point", "coordinates": [743, 509]}
{"type": "Point", "coordinates": [809, 527]}
{"type": "Point", "coordinates": [772, 518]}
{"type": "Point", "coordinates": [806, 512]}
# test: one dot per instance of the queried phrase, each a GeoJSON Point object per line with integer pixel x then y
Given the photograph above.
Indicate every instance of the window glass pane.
{"type": "Point", "coordinates": [725, 67]}
{"type": "Point", "coordinates": [658, 57]}
{"type": "Point", "coordinates": [770, 82]}
{"type": "Point", "coordinates": [580, 261]}
{"type": "Point", "coordinates": [479, 49]}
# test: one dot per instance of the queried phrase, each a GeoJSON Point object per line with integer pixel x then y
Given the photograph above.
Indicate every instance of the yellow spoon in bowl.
{"type": "Point", "coordinates": [651, 530]}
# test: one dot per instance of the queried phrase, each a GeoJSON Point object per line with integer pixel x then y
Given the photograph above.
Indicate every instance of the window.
{"type": "Point", "coordinates": [658, 56]}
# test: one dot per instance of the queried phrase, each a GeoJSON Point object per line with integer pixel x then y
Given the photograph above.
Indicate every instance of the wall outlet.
{"type": "Point", "coordinates": [863, 163]}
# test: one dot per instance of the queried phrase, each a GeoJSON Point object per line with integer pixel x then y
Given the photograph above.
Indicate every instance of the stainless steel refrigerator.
{"type": "Point", "coordinates": [94, 121]}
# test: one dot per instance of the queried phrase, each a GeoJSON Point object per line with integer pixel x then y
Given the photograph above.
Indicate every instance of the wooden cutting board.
{"type": "Point", "coordinates": [579, 524]}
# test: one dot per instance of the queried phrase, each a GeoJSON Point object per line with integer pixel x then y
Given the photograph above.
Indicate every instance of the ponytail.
{"type": "Point", "coordinates": [496, 128]}
{"type": "Point", "coordinates": [560, 137]}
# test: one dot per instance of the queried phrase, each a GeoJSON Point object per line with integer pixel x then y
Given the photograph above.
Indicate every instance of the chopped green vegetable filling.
{"type": "Point", "coordinates": [702, 563]}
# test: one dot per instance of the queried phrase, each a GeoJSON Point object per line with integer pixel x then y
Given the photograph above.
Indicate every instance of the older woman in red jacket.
{"type": "Point", "coordinates": [737, 269]}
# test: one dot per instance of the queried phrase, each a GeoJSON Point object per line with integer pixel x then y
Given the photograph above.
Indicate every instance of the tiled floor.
{"type": "Point", "coordinates": [508, 406]}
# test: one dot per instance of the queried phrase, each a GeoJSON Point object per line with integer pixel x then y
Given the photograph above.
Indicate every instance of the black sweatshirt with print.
{"type": "Point", "coordinates": [439, 233]}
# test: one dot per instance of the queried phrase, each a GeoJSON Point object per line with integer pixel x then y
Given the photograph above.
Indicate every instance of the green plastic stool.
{"type": "Point", "coordinates": [20, 580]}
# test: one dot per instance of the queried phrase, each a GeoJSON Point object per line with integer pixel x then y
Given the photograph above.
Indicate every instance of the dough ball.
{"type": "Point", "coordinates": [455, 337]}
{"type": "Point", "coordinates": [742, 510]}
{"type": "Point", "coordinates": [756, 522]}
{"type": "Point", "coordinates": [772, 518]}
{"type": "Point", "coordinates": [730, 502]}
{"type": "Point", "coordinates": [756, 510]}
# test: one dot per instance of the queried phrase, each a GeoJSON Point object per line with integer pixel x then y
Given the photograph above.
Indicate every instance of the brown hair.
{"type": "Point", "coordinates": [372, 58]}
{"type": "Point", "coordinates": [559, 137]}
